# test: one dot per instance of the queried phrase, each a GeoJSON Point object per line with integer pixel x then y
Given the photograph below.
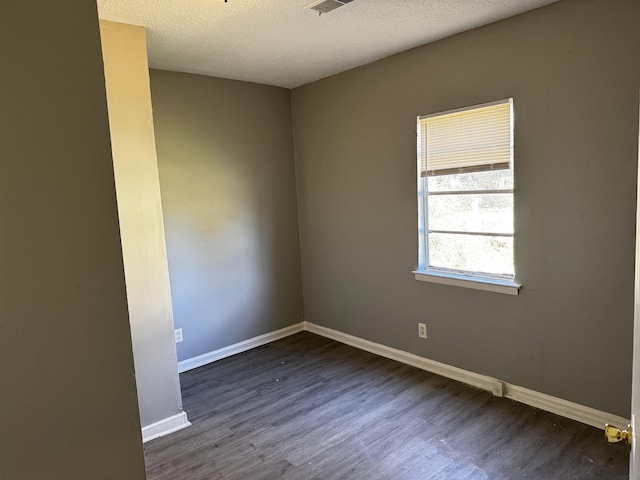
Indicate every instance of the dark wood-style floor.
{"type": "Point", "coordinates": [306, 407]}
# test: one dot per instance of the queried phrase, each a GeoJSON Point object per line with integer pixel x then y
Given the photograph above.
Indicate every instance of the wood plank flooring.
{"type": "Point", "coordinates": [306, 407]}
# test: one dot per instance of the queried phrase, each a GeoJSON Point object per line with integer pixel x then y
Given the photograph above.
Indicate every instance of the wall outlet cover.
{"type": "Point", "coordinates": [422, 330]}
{"type": "Point", "coordinates": [178, 335]}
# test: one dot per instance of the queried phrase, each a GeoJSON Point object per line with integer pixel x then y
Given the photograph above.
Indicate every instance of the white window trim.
{"type": "Point", "coordinates": [485, 282]}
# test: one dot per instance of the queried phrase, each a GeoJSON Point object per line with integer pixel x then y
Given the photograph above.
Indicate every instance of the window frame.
{"type": "Point", "coordinates": [499, 283]}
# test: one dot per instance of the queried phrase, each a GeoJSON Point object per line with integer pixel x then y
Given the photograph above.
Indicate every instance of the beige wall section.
{"type": "Point", "coordinates": [68, 406]}
{"type": "Point", "coordinates": [141, 224]}
{"type": "Point", "coordinates": [573, 71]}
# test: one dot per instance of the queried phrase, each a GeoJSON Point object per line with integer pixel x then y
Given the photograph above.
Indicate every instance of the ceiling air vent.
{"type": "Point", "coordinates": [325, 6]}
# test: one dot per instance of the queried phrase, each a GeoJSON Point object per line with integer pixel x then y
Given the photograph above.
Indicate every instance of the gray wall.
{"type": "Point", "coordinates": [573, 69]}
{"type": "Point", "coordinates": [68, 405]}
{"type": "Point", "coordinates": [225, 155]}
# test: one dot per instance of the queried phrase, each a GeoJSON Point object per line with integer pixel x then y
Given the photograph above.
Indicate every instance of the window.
{"type": "Point", "coordinates": [465, 197]}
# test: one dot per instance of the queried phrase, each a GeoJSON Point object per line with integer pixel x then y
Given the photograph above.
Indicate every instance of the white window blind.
{"type": "Point", "coordinates": [466, 140]}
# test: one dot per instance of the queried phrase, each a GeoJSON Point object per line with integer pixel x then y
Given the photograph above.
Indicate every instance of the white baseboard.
{"type": "Point", "coordinates": [165, 426]}
{"type": "Point", "coordinates": [240, 347]}
{"type": "Point", "coordinates": [559, 406]}
{"type": "Point", "coordinates": [565, 408]}
{"type": "Point", "coordinates": [481, 381]}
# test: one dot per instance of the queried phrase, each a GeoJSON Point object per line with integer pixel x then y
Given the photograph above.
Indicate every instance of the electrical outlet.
{"type": "Point", "coordinates": [422, 330]}
{"type": "Point", "coordinates": [178, 334]}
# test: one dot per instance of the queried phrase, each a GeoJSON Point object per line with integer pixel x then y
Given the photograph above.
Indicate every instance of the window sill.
{"type": "Point", "coordinates": [507, 287]}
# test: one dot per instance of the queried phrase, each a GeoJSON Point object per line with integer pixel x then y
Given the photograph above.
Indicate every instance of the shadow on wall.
{"type": "Point", "coordinates": [215, 259]}
{"type": "Point", "coordinates": [229, 204]}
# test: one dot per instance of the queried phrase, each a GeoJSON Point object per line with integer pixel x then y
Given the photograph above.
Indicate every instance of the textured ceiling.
{"type": "Point", "coordinates": [279, 42]}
